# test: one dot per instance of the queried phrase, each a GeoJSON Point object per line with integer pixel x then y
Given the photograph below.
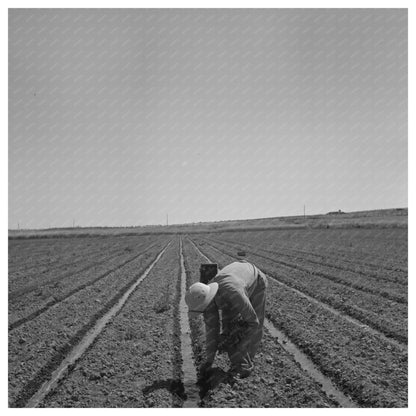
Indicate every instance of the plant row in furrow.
{"type": "Point", "coordinates": [385, 280]}
{"type": "Point", "coordinates": [28, 259]}
{"type": "Point", "coordinates": [349, 246]}
{"type": "Point", "coordinates": [31, 251]}
{"type": "Point", "coordinates": [381, 314]}
{"type": "Point", "coordinates": [371, 370]}
{"type": "Point", "coordinates": [135, 361]}
{"type": "Point", "coordinates": [80, 259]}
{"type": "Point", "coordinates": [37, 347]}
{"type": "Point", "coordinates": [41, 281]}
{"type": "Point", "coordinates": [277, 380]}
{"type": "Point", "coordinates": [358, 281]}
{"type": "Point", "coordinates": [84, 264]}
{"type": "Point", "coordinates": [57, 254]}
{"type": "Point", "coordinates": [32, 304]}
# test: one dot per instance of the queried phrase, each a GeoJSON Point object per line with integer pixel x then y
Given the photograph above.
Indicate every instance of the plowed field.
{"type": "Point", "coordinates": [99, 321]}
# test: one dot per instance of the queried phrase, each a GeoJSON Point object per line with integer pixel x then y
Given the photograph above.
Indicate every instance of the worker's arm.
{"type": "Point", "coordinates": [212, 328]}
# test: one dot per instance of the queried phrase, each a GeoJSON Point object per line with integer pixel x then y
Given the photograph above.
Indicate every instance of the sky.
{"type": "Point", "coordinates": [118, 117]}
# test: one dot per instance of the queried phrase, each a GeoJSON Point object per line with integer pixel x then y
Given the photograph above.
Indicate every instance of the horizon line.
{"type": "Point", "coordinates": [201, 222]}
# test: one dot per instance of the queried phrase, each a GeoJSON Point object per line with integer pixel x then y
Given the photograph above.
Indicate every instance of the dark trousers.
{"type": "Point", "coordinates": [244, 359]}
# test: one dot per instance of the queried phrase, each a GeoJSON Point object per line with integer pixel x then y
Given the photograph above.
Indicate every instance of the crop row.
{"type": "Point", "coordinates": [55, 276]}
{"type": "Point", "coordinates": [25, 261]}
{"type": "Point", "coordinates": [29, 256]}
{"type": "Point", "coordinates": [369, 369]}
{"type": "Point", "coordinates": [388, 283]}
{"type": "Point", "coordinates": [135, 361]}
{"type": "Point", "coordinates": [37, 346]}
{"type": "Point", "coordinates": [382, 314]}
{"type": "Point", "coordinates": [34, 302]}
{"type": "Point", "coordinates": [378, 250]}
{"type": "Point", "coordinates": [25, 252]}
{"type": "Point", "coordinates": [81, 257]}
{"type": "Point", "coordinates": [277, 381]}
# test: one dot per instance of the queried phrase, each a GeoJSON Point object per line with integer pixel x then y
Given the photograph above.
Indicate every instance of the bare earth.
{"type": "Point", "coordinates": [339, 293]}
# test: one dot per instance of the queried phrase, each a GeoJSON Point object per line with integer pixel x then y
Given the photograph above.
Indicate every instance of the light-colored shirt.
{"type": "Point", "coordinates": [236, 283]}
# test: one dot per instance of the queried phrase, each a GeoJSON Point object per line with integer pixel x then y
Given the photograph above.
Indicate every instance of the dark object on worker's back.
{"type": "Point", "coordinates": [230, 340]}
{"type": "Point", "coordinates": [241, 253]}
{"type": "Point", "coordinates": [207, 272]}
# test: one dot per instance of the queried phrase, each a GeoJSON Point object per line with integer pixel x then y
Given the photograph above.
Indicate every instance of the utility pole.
{"type": "Point", "coordinates": [304, 212]}
{"type": "Point", "coordinates": [18, 226]}
{"type": "Point", "coordinates": [167, 220]}
{"type": "Point", "coordinates": [73, 223]}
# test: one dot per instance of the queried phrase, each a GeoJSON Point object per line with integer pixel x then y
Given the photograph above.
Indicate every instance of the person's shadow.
{"type": "Point", "coordinates": [175, 387]}
{"type": "Point", "coordinates": [206, 382]}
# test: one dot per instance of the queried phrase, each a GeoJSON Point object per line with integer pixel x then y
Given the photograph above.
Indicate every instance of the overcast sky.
{"type": "Point", "coordinates": [118, 117]}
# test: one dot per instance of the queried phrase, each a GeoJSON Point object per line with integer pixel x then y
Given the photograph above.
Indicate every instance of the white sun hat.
{"type": "Point", "coordinates": [199, 296]}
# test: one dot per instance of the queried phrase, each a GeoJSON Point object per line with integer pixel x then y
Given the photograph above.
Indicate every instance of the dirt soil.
{"type": "Point", "coordinates": [37, 346]}
{"type": "Point", "coordinates": [367, 368]}
{"type": "Point", "coordinates": [135, 362]}
{"type": "Point", "coordinates": [362, 298]}
{"type": "Point", "coordinates": [277, 380]}
{"type": "Point", "coordinates": [60, 287]}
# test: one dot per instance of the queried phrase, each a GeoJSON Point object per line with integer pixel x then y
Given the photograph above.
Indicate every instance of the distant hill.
{"type": "Point", "coordinates": [385, 218]}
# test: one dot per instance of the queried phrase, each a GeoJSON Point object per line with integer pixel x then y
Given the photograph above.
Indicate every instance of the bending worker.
{"type": "Point", "coordinates": [238, 291]}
